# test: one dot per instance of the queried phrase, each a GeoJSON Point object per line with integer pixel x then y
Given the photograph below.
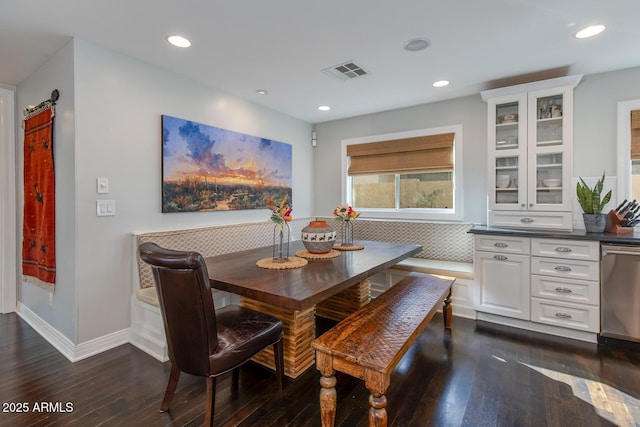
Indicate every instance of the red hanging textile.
{"type": "Point", "coordinates": [39, 217]}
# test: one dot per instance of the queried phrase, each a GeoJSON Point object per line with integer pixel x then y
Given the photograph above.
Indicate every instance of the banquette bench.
{"type": "Point", "coordinates": [447, 250]}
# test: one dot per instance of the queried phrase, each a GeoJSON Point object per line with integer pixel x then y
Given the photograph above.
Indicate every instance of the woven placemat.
{"type": "Point", "coordinates": [310, 255]}
{"type": "Point", "coordinates": [354, 247]}
{"type": "Point", "coordinates": [292, 262]}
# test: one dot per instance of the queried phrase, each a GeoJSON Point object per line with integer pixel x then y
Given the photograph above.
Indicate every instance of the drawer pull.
{"type": "Point", "coordinates": [563, 249]}
{"type": "Point", "coordinates": [563, 268]}
{"type": "Point", "coordinates": [526, 220]}
{"type": "Point", "coordinates": [500, 257]}
{"type": "Point", "coordinates": [500, 245]}
{"type": "Point", "coordinates": [563, 290]}
{"type": "Point", "coordinates": [563, 315]}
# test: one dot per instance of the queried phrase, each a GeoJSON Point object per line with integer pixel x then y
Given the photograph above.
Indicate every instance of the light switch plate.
{"type": "Point", "coordinates": [102, 185]}
{"type": "Point", "coordinates": [105, 207]}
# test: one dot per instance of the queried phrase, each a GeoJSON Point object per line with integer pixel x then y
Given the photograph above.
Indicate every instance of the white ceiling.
{"type": "Point", "coordinates": [282, 45]}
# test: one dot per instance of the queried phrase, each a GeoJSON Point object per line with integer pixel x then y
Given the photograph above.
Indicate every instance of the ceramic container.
{"type": "Point", "coordinates": [318, 237]}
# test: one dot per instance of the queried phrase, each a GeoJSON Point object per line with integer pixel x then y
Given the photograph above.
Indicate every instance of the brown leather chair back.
{"type": "Point", "coordinates": [186, 303]}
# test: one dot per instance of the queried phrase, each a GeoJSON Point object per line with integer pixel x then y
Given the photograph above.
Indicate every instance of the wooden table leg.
{"type": "Point", "coordinates": [447, 311]}
{"type": "Point", "coordinates": [342, 304]}
{"type": "Point", "coordinates": [328, 396]}
{"type": "Point", "coordinates": [299, 332]}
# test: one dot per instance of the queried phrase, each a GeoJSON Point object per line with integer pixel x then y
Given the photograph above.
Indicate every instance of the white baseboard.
{"type": "Point", "coordinates": [64, 345]}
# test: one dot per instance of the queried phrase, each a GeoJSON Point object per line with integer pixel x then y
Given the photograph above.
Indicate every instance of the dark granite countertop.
{"type": "Point", "coordinates": [628, 239]}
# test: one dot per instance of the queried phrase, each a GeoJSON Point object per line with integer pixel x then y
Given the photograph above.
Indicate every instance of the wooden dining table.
{"type": "Point", "coordinates": [330, 285]}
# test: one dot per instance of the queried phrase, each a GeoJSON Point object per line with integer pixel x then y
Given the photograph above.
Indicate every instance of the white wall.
{"type": "Point", "coordinates": [595, 120]}
{"type": "Point", "coordinates": [594, 151]}
{"type": "Point", "coordinates": [118, 104]}
{"type": "Point", "coordinates": [469, 111]}
{"type": "Point", "coordinates": [58, 310]}
{"type": "Point", "coordinates": [8, 211]}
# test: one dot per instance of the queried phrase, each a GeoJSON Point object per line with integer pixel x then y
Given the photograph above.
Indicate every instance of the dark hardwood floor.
{"type": "Point", "coordinates": [483, 375]}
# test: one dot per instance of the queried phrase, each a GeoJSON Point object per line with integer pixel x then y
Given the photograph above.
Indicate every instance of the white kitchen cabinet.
{"type": "Point", "coordinates": [545, 284]}
{"type": "Point", "coordinates": [502, 274]}
{"type": "Point", "coordinates": [565, 283]}
{"type": "Point", "coordinates": [530, 139]}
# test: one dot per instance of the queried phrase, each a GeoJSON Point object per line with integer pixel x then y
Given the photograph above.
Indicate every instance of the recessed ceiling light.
{"type": "Point", "coordinates": [178, 41]}
{"type": "Point", "coordinates": [415, 45]}
{"type": "Point", "coordinates": [261, 92]}
{"type": "Point", "coordinates": [324, 108]}
{"type": "Point", "coordinates": [590, 31]}
{"type": "Point", "coordinates": [441, 83]}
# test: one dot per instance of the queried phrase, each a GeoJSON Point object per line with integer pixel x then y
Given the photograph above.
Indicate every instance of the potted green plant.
{"type": "Point", "coordinates": [592, 204]}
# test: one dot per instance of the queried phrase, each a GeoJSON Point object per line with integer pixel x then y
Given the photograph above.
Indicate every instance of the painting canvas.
{"type": "Point", "coordinates": [205, 168]}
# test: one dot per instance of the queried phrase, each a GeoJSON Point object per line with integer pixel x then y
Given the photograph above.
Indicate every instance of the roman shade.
{"type": "Point", "coordinates": [417, 154]}
{"type": "Point", "coordinates": [635, 135]}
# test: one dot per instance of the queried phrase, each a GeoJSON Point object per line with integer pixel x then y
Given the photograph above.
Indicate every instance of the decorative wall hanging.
{"type": "Point", "coordinates": [39, 215]}
{"type": "Point", "coordinates": [205, 168]}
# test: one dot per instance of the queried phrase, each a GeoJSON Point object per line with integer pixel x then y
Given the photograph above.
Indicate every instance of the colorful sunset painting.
{"type": "Point", "coordinates": [205, 168]}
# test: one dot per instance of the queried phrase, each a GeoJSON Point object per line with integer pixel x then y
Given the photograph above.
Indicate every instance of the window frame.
{"type": "Point", "coordinates": [452, 214]}
{"type": "Point", "coordinates": [624, 146]}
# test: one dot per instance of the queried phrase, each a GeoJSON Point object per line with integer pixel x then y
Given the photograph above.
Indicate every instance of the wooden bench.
{"type": "Point", "coordinates": [371, 342]}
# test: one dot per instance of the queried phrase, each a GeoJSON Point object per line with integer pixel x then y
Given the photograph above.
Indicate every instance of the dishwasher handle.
{"type": "Point", "coordinates": [620, 250]}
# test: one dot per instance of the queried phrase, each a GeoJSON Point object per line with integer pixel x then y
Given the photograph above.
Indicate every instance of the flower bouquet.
{"type": "Point", "coordinates": [280, 215]}
{"type": "Point", "coordinates": [345, 213]}
{"type": "Point", "coordinates": [280, 210]}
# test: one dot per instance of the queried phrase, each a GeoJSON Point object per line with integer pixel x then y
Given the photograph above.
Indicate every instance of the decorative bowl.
{"type": "Point", "coordinates": [318, 237]}
{"type": "Point", "coordinates": [551, 182]}
{"type": "Point", "coordinates": [503, 181]}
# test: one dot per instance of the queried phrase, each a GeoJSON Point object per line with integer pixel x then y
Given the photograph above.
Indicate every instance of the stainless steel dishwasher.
{"type": "Point", "coordinates": [620, 292]}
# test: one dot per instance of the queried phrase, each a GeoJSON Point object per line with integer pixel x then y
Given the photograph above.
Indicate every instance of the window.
{"type": "Point", "coordinates": [413, 175]}
{"type": "Point", "coordinates": [635, 154]}
{"type": "Point", "coordinates": [629, 150]}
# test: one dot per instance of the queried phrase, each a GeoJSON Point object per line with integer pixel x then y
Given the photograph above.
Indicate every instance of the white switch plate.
{"type": "Point", "coordinates": [105, 207]}
{"type": "Point", "coordinates": [102, 185]}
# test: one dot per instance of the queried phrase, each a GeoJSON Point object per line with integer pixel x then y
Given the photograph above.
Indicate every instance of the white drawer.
{"type": "Point", "coordinates": [568, 268]}
{"type": "Point", "coordinates": [570, 249]}
{"type": "Point", "coordinates": [566, 315]}
{"type": "Point", "coordinates": [531, 220]}
{"type": "Point", "coordinates": [503, 244]}
{"type": "Point", "coordinates": [563, 289]}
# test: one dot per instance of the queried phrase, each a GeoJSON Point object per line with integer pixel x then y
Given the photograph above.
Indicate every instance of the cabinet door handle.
{"type": "Point", "coordinates": [563, 290]}
{"type": "Point", "coordinates": [500, 245]}
{"type": "Point", "coordinates": [500, 257]}
{"type": "Point", "coordinates": [526, 220]}
{"type": "Point", "coordinates": [563, 315]}
{"type": "Point", "coordinates": [563, 268]}
{"type": "Point", "coordinates": [563, 249]}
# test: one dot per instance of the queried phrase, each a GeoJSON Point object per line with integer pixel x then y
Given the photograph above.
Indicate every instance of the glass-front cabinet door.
{"type": "Point", "coordinates": [530, 139]}
{"type": "Point", "coordinates": [508, 148]}
{"type": "Point", "coordinates": [549, 116]}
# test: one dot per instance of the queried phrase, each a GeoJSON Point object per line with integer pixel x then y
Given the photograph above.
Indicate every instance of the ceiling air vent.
{"type": "Point", "coordinates": [346, 71]}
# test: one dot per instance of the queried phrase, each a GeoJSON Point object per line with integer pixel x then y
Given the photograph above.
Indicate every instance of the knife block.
{"type": "Point", "coordinates": [613, 224]}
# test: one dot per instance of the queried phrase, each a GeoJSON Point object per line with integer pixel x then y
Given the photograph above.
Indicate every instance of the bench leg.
{"type": "Point", "coordinates": [377, 411]}
{"type": "Point", "coordinates": [447, 311]}
{"type": "Point", "coordinates": [328, 396]}
{"type": "Point", "coordinates": [328, 400]}
{"type": "Point", "coordinates": [377, 383]}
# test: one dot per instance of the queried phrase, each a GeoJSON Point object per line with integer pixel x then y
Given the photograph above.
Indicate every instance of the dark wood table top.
{"type": "Point", "coordinates": [302, 288]}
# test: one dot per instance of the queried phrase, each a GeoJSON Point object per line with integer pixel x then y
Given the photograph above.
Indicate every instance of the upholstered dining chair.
{"type": "Point", "coordinates": [201, 340]}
